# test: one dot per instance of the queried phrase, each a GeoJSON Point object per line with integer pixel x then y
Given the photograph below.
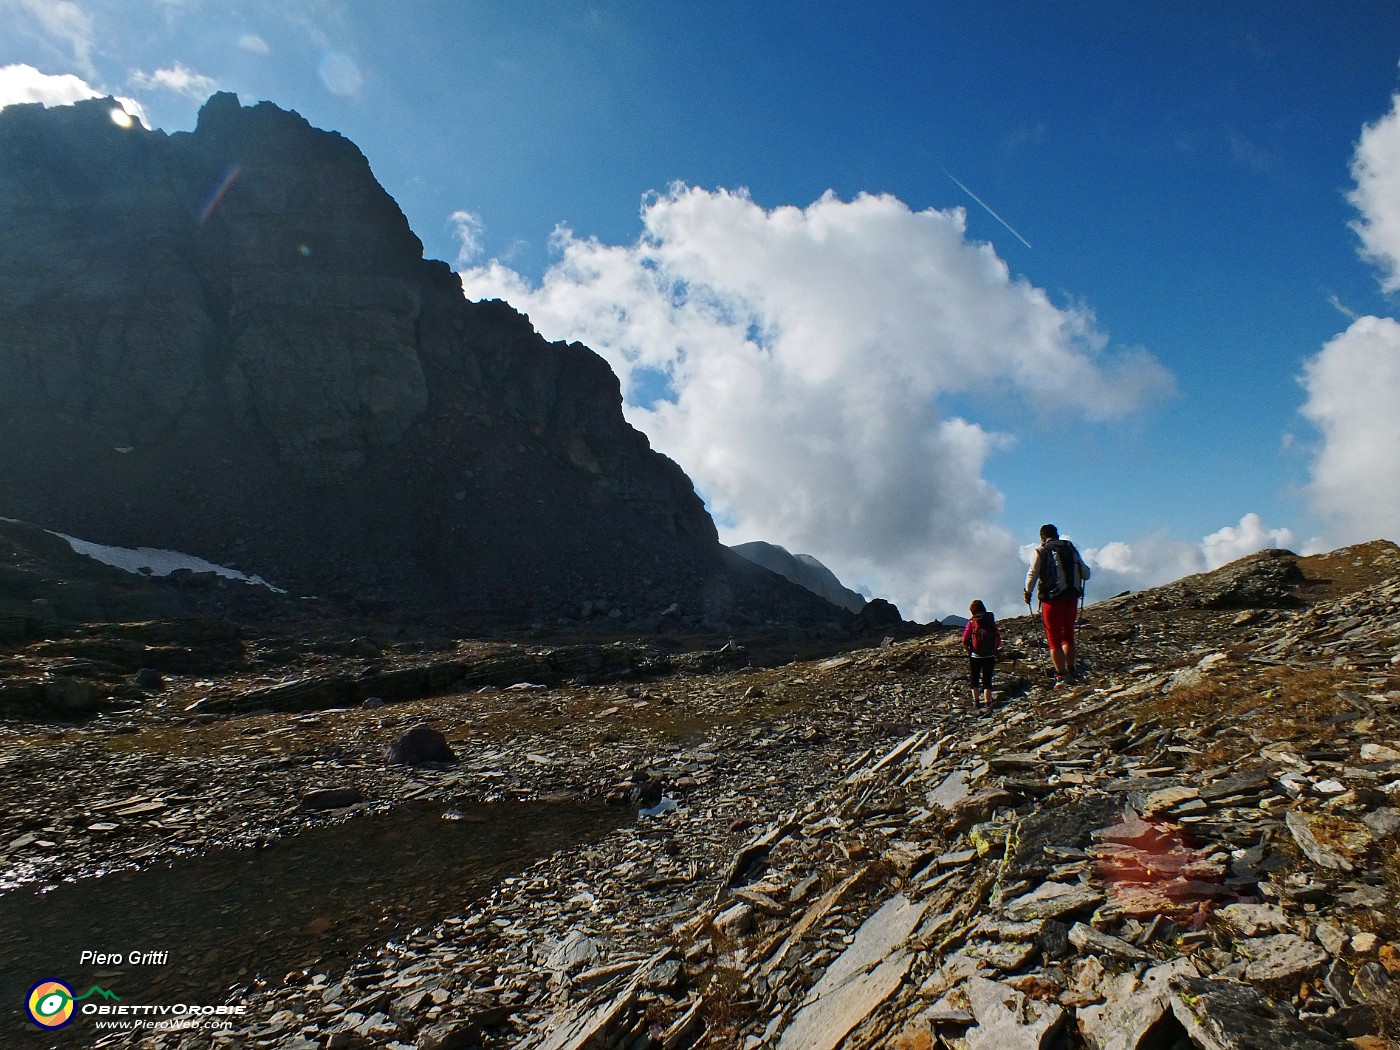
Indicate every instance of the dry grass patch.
{"type": "Point", "coordinates": [1250, 708]}
{"type": "Point", "coordinates": [1386, 924]}
{"type": "Point", "coordinates": [1349, 569]}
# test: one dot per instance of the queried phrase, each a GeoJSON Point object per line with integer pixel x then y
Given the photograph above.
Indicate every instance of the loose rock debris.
{"type": "Point", "coordinates": [1153, 859]}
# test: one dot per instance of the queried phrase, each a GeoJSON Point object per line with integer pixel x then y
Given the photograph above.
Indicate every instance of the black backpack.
{"type": "Point", "coordinates": [986, 639]}
{"type": "Point", "coordinates": [1059, 577]}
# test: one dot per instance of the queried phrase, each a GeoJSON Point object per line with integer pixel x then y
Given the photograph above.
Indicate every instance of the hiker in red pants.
{"type": "Point", "coordinates": [1057, 575]}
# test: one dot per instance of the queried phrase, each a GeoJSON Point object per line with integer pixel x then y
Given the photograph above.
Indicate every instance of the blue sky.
{"type": "Point", "coordinates": [1182, 172]}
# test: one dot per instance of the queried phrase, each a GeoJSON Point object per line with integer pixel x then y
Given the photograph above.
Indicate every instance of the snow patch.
{"type": "Point", "coordinates": [150, 561]}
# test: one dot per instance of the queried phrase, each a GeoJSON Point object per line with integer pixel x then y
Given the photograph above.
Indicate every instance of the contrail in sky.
{"type": "Point", "coordinates": [1342, 308]}
{"type": "Point", "coordinates": [984, 204]}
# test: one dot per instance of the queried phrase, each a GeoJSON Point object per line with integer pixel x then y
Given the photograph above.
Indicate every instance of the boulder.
{"type": "Point", "coordinates": [1008, 1020]}
{"type": "Point", "coordinates": [878, 615]}
{"type": "Point", "coordinates": [1281, 962]}
{"type": "Point", "coordinates": [420, 745]}
{"type": "Point", "coordinates": [1052, 900]}
{"type": "Point", "coordinates": [1227, 1015]}
{"type": "Point", "coordinates": [331, 798]}
{"type": "Point", "coordinates": [70, 695]}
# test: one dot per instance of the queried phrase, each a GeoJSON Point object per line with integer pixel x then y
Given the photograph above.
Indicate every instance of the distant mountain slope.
{"type": "Point", "coordinates": [802, 569]}
{"type": "Point", "coordinates": [227, 342]}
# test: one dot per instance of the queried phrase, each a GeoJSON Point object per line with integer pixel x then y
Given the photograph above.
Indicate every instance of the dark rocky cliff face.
{"type": "Point", "coordinates": [228, 342]}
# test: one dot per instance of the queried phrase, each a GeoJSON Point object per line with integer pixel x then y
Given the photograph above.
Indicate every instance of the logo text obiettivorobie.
{"type": "Point", "coordinates": [53, 1004]}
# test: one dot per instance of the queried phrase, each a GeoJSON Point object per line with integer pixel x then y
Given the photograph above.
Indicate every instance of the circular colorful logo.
{"type": "Point", "coordinates": [50, 1004]}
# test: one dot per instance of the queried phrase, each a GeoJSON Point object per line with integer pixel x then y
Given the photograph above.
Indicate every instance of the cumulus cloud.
{"type": "Point", "coordinates": [797, 363]}
{"type": "Point", "coordinates": [1353, 398]}
{"type": "Point", "coordinates": [1353, 383]}
{"type": "Point", "coordinates": [20, 84]}
{"type": "Point", "coordinates": [1156, 559]}
{"type": "Point", "coordinates": [1235, 541]}
{"type": "Point", "coordinates": [1376, 168]}
{"type": "Point", "coordinates": [179, 79]}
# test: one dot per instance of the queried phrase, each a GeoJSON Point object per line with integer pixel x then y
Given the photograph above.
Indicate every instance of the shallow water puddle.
{"type": "Point", "coordinates": [198, 927]}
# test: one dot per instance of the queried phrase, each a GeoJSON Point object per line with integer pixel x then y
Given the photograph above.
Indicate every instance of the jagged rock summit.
{"type": "Point", "coordinates": [228, 342]}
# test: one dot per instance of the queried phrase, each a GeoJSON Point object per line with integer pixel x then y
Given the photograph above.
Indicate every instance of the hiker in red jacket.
{"type": "Point", "coordinates": [1057, 575]}
{"type": "Point", "coordinates": [982, 641]}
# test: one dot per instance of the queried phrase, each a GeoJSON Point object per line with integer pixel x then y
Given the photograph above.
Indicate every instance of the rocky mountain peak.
{"type": "Point", "coordinates": [228, 342]}
{"type": "Point", "coordinates": [802, 569]}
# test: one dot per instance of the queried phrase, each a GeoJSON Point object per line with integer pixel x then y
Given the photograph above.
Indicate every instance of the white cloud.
{"type": "Point", "coordinates": [1353, 398]}
{"type": "Point", "coordinates": [21, 83]}
{"type": "Point", "coordinates": [179, 79]}
{"type": "Point", "coordinates": [254, 44]}
{"type": "Point", "coordinates": [1133, 565]}
{"type": "Point", "coordinates": [1353, 382]}
{"type": "Point", "coordinates": [467, 228]}
{"type": "Point", "coordinates": [1376, 169]}
{"type": "Point", "coordinates": [1235, 541]}
{"type": "Point", "coordinates": [62, 21]}
{"type": "Point", "coordinates": [340, 74]}
{"type": "Point", "coordinates": [1156, 559]}
{"type": "Point", "coordinates": [802, 359]}
{"type": "Point", "coordinates": [134, 109]}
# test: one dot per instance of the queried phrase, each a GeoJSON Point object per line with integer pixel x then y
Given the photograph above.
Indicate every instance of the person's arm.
{"type": "Point", "coordinates": [967, 635]}
{"type": "Point", "coordinates": [1031, 575]}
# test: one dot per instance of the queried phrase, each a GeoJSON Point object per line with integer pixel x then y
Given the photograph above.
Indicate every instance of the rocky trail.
{"type": "Point", "coordinates": [1194, 848]}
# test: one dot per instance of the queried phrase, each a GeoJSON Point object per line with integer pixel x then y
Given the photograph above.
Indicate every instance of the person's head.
{"type": "Point", "coordinates": [1049, 532]}
{"type": "Point", "coordinates": [977, 608]}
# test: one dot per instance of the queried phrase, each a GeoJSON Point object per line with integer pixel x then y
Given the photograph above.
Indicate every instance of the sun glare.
{"type": "Point", "coordinates": [121, 118]}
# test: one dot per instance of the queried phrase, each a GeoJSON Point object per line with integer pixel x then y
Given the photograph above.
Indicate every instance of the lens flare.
{"type": "Point", "coordinates": [225, 184]}
{"type": "Point", "coordinates": [1151, 867]}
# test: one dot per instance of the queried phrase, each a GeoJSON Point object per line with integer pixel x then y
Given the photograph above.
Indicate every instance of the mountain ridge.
{"type": "Point", "coordinates": [802, 569]}
{"type": "Point", "coordinates": [227, 342]}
